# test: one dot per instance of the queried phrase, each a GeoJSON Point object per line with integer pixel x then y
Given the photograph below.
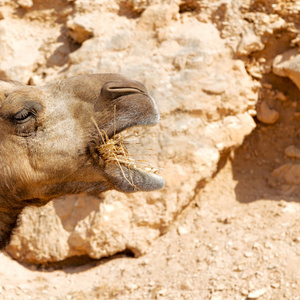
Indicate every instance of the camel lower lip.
{"type": "Point", "coordinates": [130, 180]}
{"type": "Point", "coordinates": [147, 181]}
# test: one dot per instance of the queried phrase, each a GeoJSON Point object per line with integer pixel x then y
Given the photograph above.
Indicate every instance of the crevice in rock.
{"type": "Point", "coordinates": [189, 6]}
{"type": "Point", "coordinates": [265, 6]}
{"type": "Point", "coordinates": [219, 16]}
{"type": "Point", "coordinates": [128, 9]}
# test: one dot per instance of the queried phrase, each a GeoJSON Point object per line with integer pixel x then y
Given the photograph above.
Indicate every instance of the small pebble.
{"type": "Point", "coordinates": [186, 285]}
{"type": "Point", "coordinates": [267, 86]}
{"type": "Point", "coordinates": [182, 230]}
{"type": "Point", "coordinates": [25, 3]}
{"type": "Point", "coordinates": [281, 96]}
{"type": "Point", "coordinates": [248, 254]}
{"type": "Point", "coordinates": [256, 294]}
{"type": "Point", "coordinates": [244, 292]}
{"type": "Point", "coordinates": [275, 285]}
{"type": "Point", "coordinates": [238, 268]}
{"type": "Point", "coordinates": [256, 246]}
{"type": "Point", "coordinates": [162, 292]}
{"type": "Point", "coordinates": [267, 115]}
{"type": "Point", "coordinates": [132, 286]}
{"type": "Point", "coordinates": [292, 151]}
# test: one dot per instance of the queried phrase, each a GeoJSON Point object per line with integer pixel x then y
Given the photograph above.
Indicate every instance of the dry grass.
{"type": "Point", "coordinates": [115, 150]}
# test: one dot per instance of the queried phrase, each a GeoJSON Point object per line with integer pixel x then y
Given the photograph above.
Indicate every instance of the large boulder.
{"type": "Point", "coordinates": [206, 99]}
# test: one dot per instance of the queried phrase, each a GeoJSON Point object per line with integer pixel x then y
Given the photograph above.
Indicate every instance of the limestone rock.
{"type": "Point", "coordinates": [250, 42]}
{"type": "Point", "coordinates": [292, 151]}
{"type": "Point", "coordinates": [204, 96]}
{"type": "Point", "coordinates": [25, 3]}
{"type": "Point", "coordinates": [34, 241]}
{"type": "Point", "coordinates": [288, 65]}
{"type": "Point", "coordinates": [158, 16]}
{"type": "Point", "coordinates": [18, 56]}
{"type": "Point", "coordinates": [266, 114]}
{"type": "Point", "coordinates": [289, 173]}
{"type": "Point", "coordinates": [88, 7]}
{"type": "Point", "coordinates": [256, 294]}
{"type": "Point", "coordinates": [80, 29]}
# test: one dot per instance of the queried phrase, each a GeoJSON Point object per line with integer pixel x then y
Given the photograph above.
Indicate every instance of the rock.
{"type": "Point", "coordinates": [275, 285]}
{"type": "Point", "coordinates": [158, 16]}
{"type": "Point", "coordinates": [292, 151]}
{"type": "Point", "coordinates": [244, 292]}
{"type": "Point", "coordinates": [19, 56]}
{"type": "Point", "coordinates": [249, 43]}
{"type": "Point", "coordinates": [80, 28]}
{"type": "Point", "coordinates": [267, 115]}
{"type": "Point", "coordinates": [38, 249]}
{"type": "Point", "coordinates": [248, 254]}
{"type": "Point", "coordinates": [256, 294]}
{"type": "Point", "coordinates": [182, 230]}
{"type": "Point", "coordinates": [289, 172]}
{"type": "Point", "coordinates": [288, 65]}
{"type": "Point", "coordinates": [205, 98]}
{"type": "Point", "coordinates": [186, 285]}
{"type": "Point", "coordinates": [25, 3]}
{"type": "Point", "coordinates": [119, 41]}
{"type": "Point", "coordinates": [280, 96]}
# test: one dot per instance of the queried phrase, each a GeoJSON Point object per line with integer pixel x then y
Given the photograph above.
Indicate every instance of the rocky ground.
{"type": "Point", "coordinates": [235, 241]}
{"type": "Point", "coordinates": [226, 77]}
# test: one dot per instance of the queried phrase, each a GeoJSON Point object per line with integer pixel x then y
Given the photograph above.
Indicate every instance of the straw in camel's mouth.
{"type": "Point", "coordinates": [114, 150]}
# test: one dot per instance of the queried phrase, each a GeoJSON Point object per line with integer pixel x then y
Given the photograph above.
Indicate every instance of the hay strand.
{"type": "Point", "coordinates": [114, 150]}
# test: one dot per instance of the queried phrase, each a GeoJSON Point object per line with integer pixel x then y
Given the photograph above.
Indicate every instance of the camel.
{"type": "Point", "coordinates": [48, 141]}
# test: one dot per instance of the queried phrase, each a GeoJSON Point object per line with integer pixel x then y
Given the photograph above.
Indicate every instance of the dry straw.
{"type": "Point", "coordinates": [114, 149]}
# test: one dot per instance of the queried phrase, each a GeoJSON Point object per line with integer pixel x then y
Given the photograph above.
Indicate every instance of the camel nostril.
{"type": "Point", "coordinates": [118, 92]}
{"type": "Point", "coordinates": [113, 90]}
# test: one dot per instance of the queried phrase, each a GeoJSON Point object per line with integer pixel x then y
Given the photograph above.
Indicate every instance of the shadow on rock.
{"type": "Point", "coordinates": [265, 166]}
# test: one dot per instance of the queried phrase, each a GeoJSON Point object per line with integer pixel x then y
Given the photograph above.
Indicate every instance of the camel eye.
{"type": "Point", "coordinates": [23, 115]}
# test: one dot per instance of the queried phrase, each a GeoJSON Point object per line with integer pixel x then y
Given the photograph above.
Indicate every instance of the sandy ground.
{"type": "Point", "coordinates": [221, 247]}
{"type": "Point", "coordinates": [238, 239]}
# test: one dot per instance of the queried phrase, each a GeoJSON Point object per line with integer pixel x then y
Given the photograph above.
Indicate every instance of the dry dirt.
{"type": "Point", "coordinates": [239, 239]}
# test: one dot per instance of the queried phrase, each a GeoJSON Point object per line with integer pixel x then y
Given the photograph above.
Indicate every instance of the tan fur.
{"type": "Point", "coordinates": [48, 140]}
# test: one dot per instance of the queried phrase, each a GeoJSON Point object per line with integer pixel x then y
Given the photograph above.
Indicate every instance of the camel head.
{"type": "Point", "coordinates": [49, 140]}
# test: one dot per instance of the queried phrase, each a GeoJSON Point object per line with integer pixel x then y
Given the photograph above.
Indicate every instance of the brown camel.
{"type": "Point", "coordinates": [48, 141]}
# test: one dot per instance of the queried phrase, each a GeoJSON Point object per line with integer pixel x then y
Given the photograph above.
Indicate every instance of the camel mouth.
{"type": "Point", "coordinates": [122, 169]}
{"type": "Point", "coordinates": [129, 180]}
